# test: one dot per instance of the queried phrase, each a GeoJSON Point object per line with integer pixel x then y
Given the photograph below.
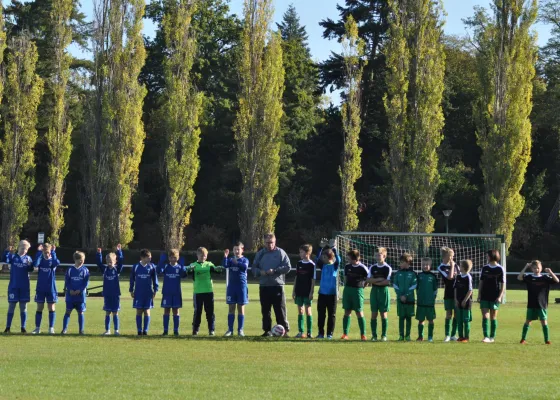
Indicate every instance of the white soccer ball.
{"type": "Point", "coordinates": [278, 330]}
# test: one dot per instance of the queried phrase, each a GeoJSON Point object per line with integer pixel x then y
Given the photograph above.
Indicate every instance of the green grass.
{"type": "Point", "coordinates": [218, 368]}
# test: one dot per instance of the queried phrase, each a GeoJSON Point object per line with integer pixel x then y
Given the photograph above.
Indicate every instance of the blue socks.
{"type": "Point", "coordinates": [38, 318]}
{"type": "Point", "coordinates": [166, 323]}
{"type": "Point", "coordinates": [23, 316]}
{"type": "Point", "coordinates": [107, 322]}
{"type": "Point", "coordinates": [146, 323]}
{"type": "Point", "coordinates": [116, 322]}
{"type": "Point", "coordinates": [230, 320]}
{"type": "Point", "coordinates": [176, 319]}
{"type": "Point", "coordinates": [81, 320]}
{"type": "Point", "coordinates": [240, 322]}
{"type": "Point", "coordinates": [52, 318]}
{"type": "Point", "coordinates": [139, 323]}
{"type": "Point", "coordinates": [65, 321]}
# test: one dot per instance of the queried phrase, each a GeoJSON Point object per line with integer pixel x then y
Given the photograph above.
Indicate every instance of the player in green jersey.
{"type": "Point", "coordinates": [427, 293]}
{"type": "Point", "coordinates": [404, 283]}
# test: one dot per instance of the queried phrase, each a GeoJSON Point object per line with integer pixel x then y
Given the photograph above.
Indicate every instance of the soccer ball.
{"type": "Point", "coordinates": [278, 330]}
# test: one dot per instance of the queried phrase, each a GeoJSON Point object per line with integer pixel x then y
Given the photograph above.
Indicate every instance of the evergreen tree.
{"type": "Point", "coordinates": [181, 113]}
{"type": "Point", "coordinates": [506, 55]}
{"type": "Point", "coordinates": [23, 91]}
{"type": "Point", "coordinates": [258, 127]}
{"type": "Point", "coordinates": [416, 62]}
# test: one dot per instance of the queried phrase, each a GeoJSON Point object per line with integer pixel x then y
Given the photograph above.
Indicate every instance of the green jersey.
{"type": "Point", "coordinates": [404, 282]}
{"type": "Point", "coordinates": [427, 288]}
{"type": "Point", "coordinates": [201, 275]}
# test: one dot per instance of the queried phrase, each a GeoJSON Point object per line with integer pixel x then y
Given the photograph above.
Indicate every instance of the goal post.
{"type": "Point", "coordinates": [466, 246]}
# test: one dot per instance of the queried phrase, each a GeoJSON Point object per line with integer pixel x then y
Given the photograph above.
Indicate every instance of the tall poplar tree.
{"type": "Point", "coordinates": [416, 63]}
{"type": "Point", "coordinates": [506, 55]}
{"type": "Point", "coordinates": [181, 112]}
{"type": "Point", "coordinates": [23, 91]}
{"type": "Point", "coordinates": [258, 130]}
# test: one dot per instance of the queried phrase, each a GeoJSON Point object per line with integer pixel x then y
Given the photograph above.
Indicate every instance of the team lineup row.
{"type": "Point", "coordinates": [416, 292]}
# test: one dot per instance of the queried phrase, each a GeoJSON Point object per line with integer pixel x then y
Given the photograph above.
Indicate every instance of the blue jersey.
{"type": "Point", "coordinates": [76, 279]}
{"type": "Point", "coordinates": [329, 274]}
{"type": "Point", "coordinates": [20, 267]}
{"type": "Point", "coordinates": [46, 278]}
{"type": "Point", "coordinates": [111, 286]}
{"type": "Point", "coordinates": [237, 272]}
{"type": "Point", "coordinates": [143, 280]}
{"type": "Point", "coordinates": [172, 275]}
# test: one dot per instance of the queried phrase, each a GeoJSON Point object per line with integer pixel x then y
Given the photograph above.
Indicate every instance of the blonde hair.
{"type": "Point", "coordinates": [113, 257]}
{"type": "Point", "coordinates": [382, 250]}
{"type": "Point", "coordinates": [24, 243]}
{"type": "Point", "coordinates": [446, 251]}
{"type": "Point", "coordinates": [47, 247]}
{"type": "Point", "coordinates": [427, 260]}
{"type": "Point", "coordinates": [174, 252]}
{"type": "Point", "coordinates": [79, 256]}
{"type": "Point", "coordinates": [536, 263]}
{"type": "Point", "coordinates": [466, 265]}
{"type": "Point", "coordinates": [202, 250]}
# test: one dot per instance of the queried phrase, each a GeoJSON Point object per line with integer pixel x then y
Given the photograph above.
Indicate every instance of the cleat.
{"type": "Point", "coordinates": [195, 333]}
{"type": "Point", "coordinates": [401, 339]}
{"type": "Point", "coordinates": [117, 333]}
{"type": "Point", "coordinates": [309, 336]}
{"type": "Point", "coordinates": [64, 332]}
{"type": "Point", "coordinates": [300, 335]}
{"type": "Point", "coordinates": [523, 341]}
{"type": "Point", "coordinates": [286, 335]}
{"type": "Point", "coordinates": [420, 339]}
{"type": "Point", "coordinates": [139, 333]}
{"type": "Point", "coordinates": [491, 340]}
{"type": "Point", "coordinates": [344, 337]}
{"type": "Point", "coordinates": [107, 333]}
{"type": "Point", "coordinates": [51, 331]}
{"type": "Point", "coordinates": [320, 337]}
{"type": "Point", "coordinates": [266, 334]}
{"type": "Point", "coordinates": [486, 340]}
{"type": "Point", "coordinates": [36, 331]}
{"type": "Point", "coordinates": [144, 333]}
{"type": "Point", "coordinates": [211, 333]}
{"type": "Point", "coordinates": [82, 333]}
{"type": "Point", "coordinates": [447, 339]}
{"type": "Point", "coordinates": [465, 340]}
{"type": "Point", "coordinates": [228, 333]}
{"type": "Point", "coordinates": [175, 333]}
{"type": "Point", "coordinates": [547, 342]}
{"type": "Point", "coordinates": [407, 338]}
{"type": "Point", "coordinates": [383, 338]}
{"type": "Point", "coordinates": [165, 333]}
{"type": "Point", "coordinates": [7, 330]}
{"type": "Point", "coordinates": [241, 333]}
{"type": "Point", "coordinates": [454, 338]}
{"type": "Point", "coordinates": [431, 340]}
{"type": "Point", "coordinates": [363, 338]}
{"type": "Point", "coordinates": [329, 337]}
{"type": "Point", "coordinates": [23, 330]}
{"type": "Point", "coordinates": [374, 339]}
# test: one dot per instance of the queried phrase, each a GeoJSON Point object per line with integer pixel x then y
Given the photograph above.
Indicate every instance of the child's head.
{"type": "Point", "coordinates": [465, 266]}
{"type": "Point", "coordinates": [536, 267]}
{"type": "Point", "coordinates": [447, 254]}
{"type": "Point", "coordinates": [327, 257]}
{"type": "Point", "coordinates": [493, 256]}
{"type": "Point", "coordinates": [47, 248]}
{"type": "Point", "coordinates": [238, 249]}
{"type": "Point", "coordinates": [426, 264]}
{"type": "Point", "coordinates": [79, 258]}
{"type": "Point", "coordinates": [202, 254]}
{"type": "Point", "coordinates": [145, 256]}
{"type": "Point", "coordinates": [381, 255]}
{"type": "Point", "coordinates": [406, 261]}
{"type": "Point", "coordinates": [111, 259]}
{"type": "Point", "coordinates": [23, 247]}
{"type": "Point", "coordinates": [305, 251]}
{"type": "Point", "coordinates": [353, 256]}
{"type": "Point", "coordinates": [173, 256]}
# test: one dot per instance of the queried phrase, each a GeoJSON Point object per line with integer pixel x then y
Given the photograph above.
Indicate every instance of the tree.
{"type": "Point", "coordinates": [23, 91]}
{"type": "Point", "coordinates": [181, 113]}
{"type": "Point", "coordinates": [59, 135]}
{"type": "Point", "coordinates": [416, 63]}
{"type": "Point", "coordinates": [506, 55]}
{"type": "Point", "coordinates": [351, 169]}
{"type": "Point", "coordinates": [258, 130]}
{"type": "Point", "coordinates": [2, 49]}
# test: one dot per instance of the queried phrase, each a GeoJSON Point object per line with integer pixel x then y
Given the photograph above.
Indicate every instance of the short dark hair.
{"type": "Point", "coordinates": [239, 244]}
{"type": "Point", "coordinates": [145, 253]}
{"type": "Point", "coordinates": [493, 255]}
{"type": "Point", "coordinates": [329, 254]}
{"type": "Point", "coordinates": [353, 254]}
{"type": "Point", "coordinates": [407, 258]}
{"type": "Point", "coordinates": [307, 248]}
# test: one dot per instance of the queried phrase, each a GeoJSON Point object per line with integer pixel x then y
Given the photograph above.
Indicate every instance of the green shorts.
{"type": "Point", "coordinates": [380, 299]}
{"type": "Point", "coordinates": [463, 314]}
{"type": "Point", "coordinates": [537, 313]}
{"type": "Point", "coordinates": [405, 310]}
{"type": "Point", "coordinates": [353, 299]}
{"type": "Point", "coordinates": [425, 313]}
{"type": "Point", "coordinates": [491, 305]}
{"type": "Point", "coordinates": [449, 304]}
{"type": "Point", "coordinates": [303, 301]}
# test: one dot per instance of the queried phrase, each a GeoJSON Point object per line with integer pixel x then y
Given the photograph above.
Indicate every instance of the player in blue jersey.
{"type": "Point", "coordinates": [76, 279]}
{"type": "Point", "coordinates": [172, 297]}
{"type": "Point", "coordinates": [45, 291]}
{"type": "Point", "coordinates": [111, 286]}
{"type": "Point", "coordinates": [143, 288]}
{"type": "Point", "coordinates": [237, 293]}
{"type": "Point", "coordinates": [21, 265]}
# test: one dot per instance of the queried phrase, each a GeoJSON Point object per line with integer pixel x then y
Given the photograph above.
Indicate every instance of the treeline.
{"type": "Point", "coordinates": [218, 127]}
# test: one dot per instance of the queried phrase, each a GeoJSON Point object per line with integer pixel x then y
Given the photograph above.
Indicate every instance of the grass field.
{"type": "Point", "coordinates": [91, 366]}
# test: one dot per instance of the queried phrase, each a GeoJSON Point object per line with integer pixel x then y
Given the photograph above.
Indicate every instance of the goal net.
{"type": "Point", "coordinates": [419, 245]}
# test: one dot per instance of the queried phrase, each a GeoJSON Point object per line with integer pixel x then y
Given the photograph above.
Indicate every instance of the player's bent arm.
{"type": "Point", "coordinates": [442, 272]}
{"type": "Point", "coordinates": [522, 273]}
{"type": "Point", "coordinates": [552, 275]}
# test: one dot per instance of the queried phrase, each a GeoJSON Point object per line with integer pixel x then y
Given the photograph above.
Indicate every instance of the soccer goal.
{"type": "Point", "coordinates": [471, 247]}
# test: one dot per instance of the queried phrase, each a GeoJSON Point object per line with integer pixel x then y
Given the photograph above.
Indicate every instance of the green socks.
{"type": "Point", "coordinates": [454, 327]}
{"type": "Point", "coordinates": [526, 331]}
{"type": "Point", "coordinates": [545, 332]}
{"type": "Point", "coordinates": [346, 324]}
{"type": "Point", "coordinates": [430, 330]}
{"type": "Point", "coordinates": [493, 327]}
{"type": "Point", "coordinates": [467, 332]}
{"type": "Point", "coordinates": [384, 324]}
{"type": "Point", "coordinates": [362, 325]}
{"type": "Point", "coordinates": [421, 331]}
{"type": "Point", "coordinates": [460, 326]}
{"type": "Point", "coordinates": [373, 324]}
{"type": "Point", "coordinates": [401, 326]}
{"type": "Point", "coordinates": [485, 324]}
{"type": "Point", "coordinates": [300, 323]}
{"type": "Point", "coordinates": [408, 326]}
{"type": "Point", "coordinates": [447, 326]}
{"type": "Point", "coordinates": [309, 325]}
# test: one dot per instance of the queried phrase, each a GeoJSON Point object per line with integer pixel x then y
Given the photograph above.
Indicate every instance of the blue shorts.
{"type": "Point", "coordinates": [19, 295]}
{"type": "Point", "coordinates": [143, 303]}
{"type": "Point", "coordinates": [71, 305]}
{"type": "Point", "coordinates": [237, 295]}
{"type": "Point", "coordinates": [171, 301]}
{"type": "Point", "coordinates": [111, 303]}
{"type": "Point", "coordinates": [49, 297]}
